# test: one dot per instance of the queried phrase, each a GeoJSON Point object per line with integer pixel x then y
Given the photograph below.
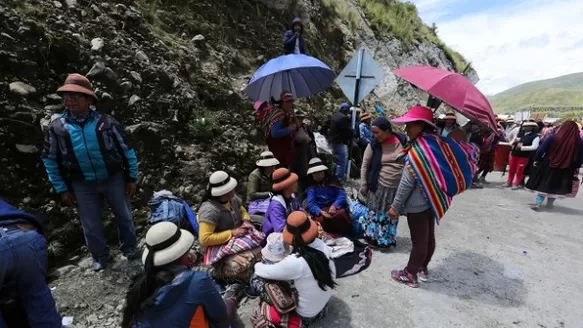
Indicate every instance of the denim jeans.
{"type": "Point", "coordinates": [341, 155]}
{"type": "Point", "coordinates": [23, 264]}
{"type": "Point", "coordinates": [90, 196]}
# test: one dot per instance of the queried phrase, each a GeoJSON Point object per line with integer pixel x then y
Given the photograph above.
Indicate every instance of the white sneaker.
{"type": "Point", "coordinates": [423, 276]}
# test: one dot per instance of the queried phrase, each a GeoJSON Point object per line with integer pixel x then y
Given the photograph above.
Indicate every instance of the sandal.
{"type": "Point", "coordinates": [405, 277]}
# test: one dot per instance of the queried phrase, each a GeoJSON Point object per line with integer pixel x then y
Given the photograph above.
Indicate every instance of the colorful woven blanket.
{"type": "Point", "coordinates": [253, 239]}
{"type": "Point", "coordinates": [443, 167]}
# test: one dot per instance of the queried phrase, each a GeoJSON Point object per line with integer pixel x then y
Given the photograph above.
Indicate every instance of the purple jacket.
{"type": "Point", "coordinates": [277, 213]}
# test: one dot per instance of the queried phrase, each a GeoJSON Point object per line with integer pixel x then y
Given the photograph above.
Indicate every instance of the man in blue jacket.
{"type": "Point", "coordinates": [293, 39]}
{"type": "Point", "coordinates": [88, 160]}
{"type": "Point", "coordinates": [23, 265]}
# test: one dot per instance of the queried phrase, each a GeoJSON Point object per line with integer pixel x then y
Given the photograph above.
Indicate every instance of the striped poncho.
{"type": "Point", "coordinates": [443, 167]}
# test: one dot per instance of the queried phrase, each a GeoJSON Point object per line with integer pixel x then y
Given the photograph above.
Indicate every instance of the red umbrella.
{"type": "Point", "coordinates": [453, 89]}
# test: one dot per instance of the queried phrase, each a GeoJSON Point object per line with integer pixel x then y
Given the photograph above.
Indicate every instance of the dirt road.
{"type": "Point", "coordinates": [497, 264]}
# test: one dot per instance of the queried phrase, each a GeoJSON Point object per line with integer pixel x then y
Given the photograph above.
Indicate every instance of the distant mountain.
{"type": "Point", "coordinates": [566, 90]}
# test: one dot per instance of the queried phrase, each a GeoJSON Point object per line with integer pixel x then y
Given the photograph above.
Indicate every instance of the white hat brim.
{"type": "Point", "coordinates": [225, 189]}
{"type": "Point", "coordinates": [172, 253]}
{"type": "Point", "coordinates": [270, 162]}
{"type": "Point", "coordinates": [317, 169]}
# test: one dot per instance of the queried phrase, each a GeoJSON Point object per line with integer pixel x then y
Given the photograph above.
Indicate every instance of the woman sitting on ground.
{"type": "Point", "coordinates": [326, 200]}
{"type": "Point", "coordinates": [556, 163]}
{"type": "Point", "coordinates": [222, 214]}
{"type": "Point", "coordinates": [380, 176]}
{"type": "Point", "coordinates": [259, 186]}
{"type": "Point", "coordinates": [283, 202]}
{"type": "Point", "coordinates": [309, 267]}
{"type": "Point", "coordinates": [169, 294]}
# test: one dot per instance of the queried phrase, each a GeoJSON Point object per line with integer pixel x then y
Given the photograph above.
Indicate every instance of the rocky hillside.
{"type": "Point", "coordinates": [172, 71]}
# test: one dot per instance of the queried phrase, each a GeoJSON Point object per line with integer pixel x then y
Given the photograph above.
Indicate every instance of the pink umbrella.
{"type": "Point", "coordinates": [453, 89]}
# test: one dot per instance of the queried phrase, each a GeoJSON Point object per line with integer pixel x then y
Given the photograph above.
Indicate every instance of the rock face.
{"type": "Point", "coordinates": [173, 75]}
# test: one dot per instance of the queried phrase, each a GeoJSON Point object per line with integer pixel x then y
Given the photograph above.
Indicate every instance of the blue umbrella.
{"type": "Point", "coordinates": [301, 75]}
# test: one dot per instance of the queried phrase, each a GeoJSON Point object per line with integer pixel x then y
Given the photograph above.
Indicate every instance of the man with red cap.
{"type": "Point", "coordinates": [88, 160]}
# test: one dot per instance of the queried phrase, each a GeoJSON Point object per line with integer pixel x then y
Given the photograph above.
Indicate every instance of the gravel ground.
{"type": "Point", "coordinates": [497, 264]}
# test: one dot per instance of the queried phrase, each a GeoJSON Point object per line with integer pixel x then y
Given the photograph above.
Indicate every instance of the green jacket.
{"type": "Point", "coordinates": [259, 186]}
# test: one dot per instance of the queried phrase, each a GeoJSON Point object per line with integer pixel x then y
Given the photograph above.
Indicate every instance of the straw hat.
{"type": "Point", "coordinates": [299, 223]}
{"type": "Point", "coordinates": [316, 165]}
{"type": "Point", "coordinates": [275, 250]}
{"type": "Point", "coordinates": [282, 179]}
{"type": "Point", "coordinates": [450, 116]}
{"type": "Point", "coordinates": [167, 243]}
{"type": "Point", "coordinates": [266, 159]}
{"type": "Point", "coordinates": [417, 113]}
{"type": "Point", "coordinates": [221, 183]}
{"type": "Point", "coordinates": [79, 84]}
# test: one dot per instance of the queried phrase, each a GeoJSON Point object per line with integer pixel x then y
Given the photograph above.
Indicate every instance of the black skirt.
{"type": "Point", "coordinates": [551, 181]}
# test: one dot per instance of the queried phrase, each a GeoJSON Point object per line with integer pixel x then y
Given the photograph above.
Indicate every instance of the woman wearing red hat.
{"type": "Point", "coordinates": [436, 169]}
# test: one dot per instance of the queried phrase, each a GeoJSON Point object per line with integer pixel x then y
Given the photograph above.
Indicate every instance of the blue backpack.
{"type": "Point", "coordinates": [171, 209]}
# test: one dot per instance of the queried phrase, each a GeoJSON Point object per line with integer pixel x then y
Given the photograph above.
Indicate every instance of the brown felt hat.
{"type": "Point", "coordinates": [79, 84]}
{"type": "Point", "coordinates": [282, 179]}
{"type": "Point", "coordinates": [298, 222]}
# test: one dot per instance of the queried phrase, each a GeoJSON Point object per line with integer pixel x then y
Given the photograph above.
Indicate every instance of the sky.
{"type": "Point", "coordinates": [511, 42]}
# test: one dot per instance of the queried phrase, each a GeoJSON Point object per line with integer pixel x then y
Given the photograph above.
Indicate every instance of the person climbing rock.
{"type": "Point", "coordinates": [88, 160]}
{"type": "Point", "coordinates": [23, 266]}
{"type": "Point", "coordinates": [293, 39]}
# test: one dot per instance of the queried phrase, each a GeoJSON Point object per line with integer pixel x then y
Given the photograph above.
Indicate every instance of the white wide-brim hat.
{"type": "Point", "coordinates": [530, 125]}
{"type": "Point", "coordinates": [168, 242]}
{"type": "Point", "coordinates": [221, 183]}
{"type": "Point", "coordinates": [275, 250]}
{"type": "Point", "coordinates": [266, 159]}
{"type": "Point", "coordinates": [316, 165]}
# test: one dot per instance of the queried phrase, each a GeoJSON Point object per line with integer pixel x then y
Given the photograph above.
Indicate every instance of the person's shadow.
{"type": "Point", "coordinates": [339, 315]}
{"type": "Point", "coordinates": [472, 276]}
{"type": "Point", "coordinates": [564, 210]}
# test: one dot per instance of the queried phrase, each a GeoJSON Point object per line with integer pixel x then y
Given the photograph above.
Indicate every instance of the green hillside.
{"type": "Point", "coordinates": [561, 91]}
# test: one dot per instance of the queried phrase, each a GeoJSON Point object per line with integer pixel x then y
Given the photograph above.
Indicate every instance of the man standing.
{"type": "Point", "coordinates": [339, 137]}
{"type": "Point", "coordinates": [365, 132]}
{"type": "Point", "coordinates": [449, 124]}
{"type": "Point", "coordinates": [88, 160]}
{"type": "Point", "coordinates": [293, 39]}
{"type": "Point", "coordinates": [23, 266]}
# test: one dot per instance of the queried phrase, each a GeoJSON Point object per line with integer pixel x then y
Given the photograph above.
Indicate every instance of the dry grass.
{"type": "Point", "coordinates": [344, 11]}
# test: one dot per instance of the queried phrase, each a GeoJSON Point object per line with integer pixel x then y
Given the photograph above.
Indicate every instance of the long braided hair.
{"type": "Point", "coordinates": [317, 261]}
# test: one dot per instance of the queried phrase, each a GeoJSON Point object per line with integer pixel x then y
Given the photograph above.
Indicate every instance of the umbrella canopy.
{"type": "Point", "coordinates": [301, 75]}
{"type": "Point", "coordinates": [453, 89]}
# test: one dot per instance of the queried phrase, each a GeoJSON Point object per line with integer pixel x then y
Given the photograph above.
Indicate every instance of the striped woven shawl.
{"type": "Point", "coordinates": [443, 167]}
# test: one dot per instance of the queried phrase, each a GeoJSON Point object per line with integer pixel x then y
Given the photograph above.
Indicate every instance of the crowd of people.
{"type": "Point", "coordinates": [281, 242]}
